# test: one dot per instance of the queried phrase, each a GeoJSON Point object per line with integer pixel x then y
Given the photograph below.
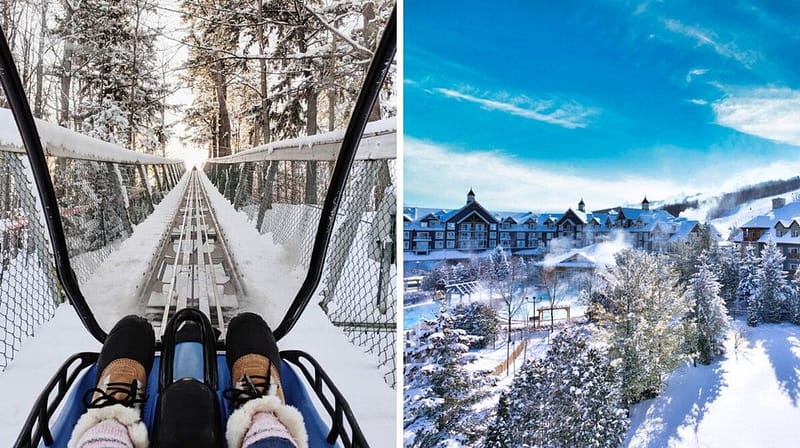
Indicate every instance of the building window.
{"type": "Point", "coordinates": [480, 227]}
{"type": "Point", "coordinates": [795, 233]}
{"type": "Point", "coordinates": [422, 235]}
{"type": "Point", "coordinates": [405, 235]}
{"type": "Point", "coordinates": [451, 235]}
{"type": "Point", "coordinates": [451, 244]}
{"type": "Point", "coordinates": [520, 243]}
{"type": "Point", "coordinates": [466, 226]}
{"type": "Point", "coordinates": [439, 244]}
{"type": "Point", "coordinates": [423, 224]}
{"type": "Point", "coordinates": [505, 236]}
{"type": "Point", "coordinates": [405, 245]}
{"type": "Point", "coordinates": [451, 226]}
{"type": "Point", "coordinates": [493, 235]}
{"type": "Point", "coordinates": [439, 235]}
{"type": "Point", "coordinates": [492, 226]}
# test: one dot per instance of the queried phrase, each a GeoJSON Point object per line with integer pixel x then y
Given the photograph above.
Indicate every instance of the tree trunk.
{"type": "Point", "coordinates": [66, 70]}
{"type": "Point", "coordinates": [311, 129]}
{"type": "Point", "coordinates": [371, 38]}
{"type": "Point", "coordinates": [265, 128]}
{"type": "Point", "coordinates": [37, 101]}
{"type": "Point", "coordinates": [224, 120]}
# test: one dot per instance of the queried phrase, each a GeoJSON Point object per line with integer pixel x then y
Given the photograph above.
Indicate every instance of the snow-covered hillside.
{"type": "Point", "coordinates": [746, 211]}
{"type": "Point", "coordinates": [750, 398]}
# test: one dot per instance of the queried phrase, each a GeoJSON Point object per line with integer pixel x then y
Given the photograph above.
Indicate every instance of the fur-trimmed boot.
{"type": "Point", "coordinates": [114, 406]}
{"type": "Point", "coordinates": [257, 397]}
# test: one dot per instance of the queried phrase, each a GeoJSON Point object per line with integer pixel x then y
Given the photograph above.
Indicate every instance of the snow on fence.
{"type": "Point", "coordinates": [503, 366]}
{"type": "Point", "coordinates": [103, 191]}
{"type": "Point", "coordinates": [281, 187]}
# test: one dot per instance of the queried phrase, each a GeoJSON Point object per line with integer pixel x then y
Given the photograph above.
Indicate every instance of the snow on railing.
{"type": "Point", "coordinates": [379, 142]}
{"type": "Point", "coordinates": [103, 191]}
{"type": "Point", "coordinates": [62, 142]}
{"type": "Point", "coordinates": [281, 187]}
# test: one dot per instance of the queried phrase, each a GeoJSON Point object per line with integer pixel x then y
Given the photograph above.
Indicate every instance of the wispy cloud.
{"type": "Point", "coordinates": [695, 72]}
{"type": "Point", "coordinates": [698, 102]}
{"type": "Point", "coordinates": [439, 176]}
{"type": "Point", "coordinates": [772, 113]}
{"type": "Point", "coordinates": [566, 114]}
{"type": "Point", "coordinates": [505, 182]}
{"type": "Point", "coordinates": [710, 39]}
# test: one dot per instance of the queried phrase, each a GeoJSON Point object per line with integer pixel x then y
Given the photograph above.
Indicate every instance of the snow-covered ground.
{"type": "Point", "coordinates": [750, 398]}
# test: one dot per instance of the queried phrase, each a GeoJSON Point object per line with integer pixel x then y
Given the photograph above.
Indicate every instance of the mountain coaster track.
{"type": "Point", "coordinates": [193, 267]}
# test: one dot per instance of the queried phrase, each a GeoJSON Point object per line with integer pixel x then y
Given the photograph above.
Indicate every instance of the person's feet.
{"type": "Point", "coordinates": [124, 364]}
{"type": "Point", "coordinates": [260, 409]}
{"type": "Point", "coordinates": [114, 405]}
{"type": "Point", "coordinates": [253, 359]}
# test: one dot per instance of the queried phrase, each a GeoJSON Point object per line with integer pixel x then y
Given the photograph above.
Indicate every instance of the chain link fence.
{"type": "Point", "coordinates": [284, 198]}
{"type": "Point", "coordinates": [100, 201]}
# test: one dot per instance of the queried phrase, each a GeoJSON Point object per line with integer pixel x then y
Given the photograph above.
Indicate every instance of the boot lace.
{"type": "Point", "coordinates": [126, 394]}
{"type": "Point", "coordinates": [249, 388]}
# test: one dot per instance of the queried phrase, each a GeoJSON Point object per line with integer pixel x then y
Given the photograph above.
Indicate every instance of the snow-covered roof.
{"type": "Point", "coordinates": [785, 214]}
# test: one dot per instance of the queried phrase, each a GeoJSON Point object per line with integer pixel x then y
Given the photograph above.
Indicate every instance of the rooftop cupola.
{"type": "Point", "coordinates": [582, 205]}
{"type": "Point", "coordinates": [470, 196]}
{"type": "Point", "coordinates": [645, 204]}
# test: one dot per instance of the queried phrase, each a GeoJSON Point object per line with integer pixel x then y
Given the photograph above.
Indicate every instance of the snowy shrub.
{"type": "Point", "coordinates": [440, 392]}
{"type": "Point", "coordinates": [643, 321]}
{"type": "Point", "coordinates": [710, 314]}
{"type": "Point", "coordinates": [477, 319]}
{"type": "Point", "coordinates": [572, 398]}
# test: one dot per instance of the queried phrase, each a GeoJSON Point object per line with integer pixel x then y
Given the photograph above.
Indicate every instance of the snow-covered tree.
{"type": "Point", "coordinates": [710, 314]}
{"type": "Point", "coordinates": [440, 392]}
{"type": "Point", "coordinates": [794, 299]}
{"type": "Point", "coordinates": [747, 290]}
{"type": "Point", "coordinates": [725, 262]}
{"type": "Point", "coordinates": [772, 289]}
{"type": "Point", "coordinates": [642, 315]}
{"type": "Point", "coordinates": [477, 319]}
{"type": "Point", "coordinates": [571, 398]}
{"type": "Point", "coordinates": [500, 431]}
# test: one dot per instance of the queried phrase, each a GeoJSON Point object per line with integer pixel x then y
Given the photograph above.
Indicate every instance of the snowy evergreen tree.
{"type": "Point", "coordinates": [440, 392]}
{"type": "Point", "coordinates": [725, 262]}
{"type": "Point", "coordinates": [499, 434]}
{"type": "Point", "coordinates": [794, 299]}
{"type": "Point", "coordinates": [477, 319]}
{"type": "Point", "coordinates": [642, 315]}
{"type": "Point", "coordinates": [571, 398]}
{"type": "Point", "coordinates": [772, 289]}
{"type": "Point", "coordinates": [747, 291]}
{"type": "Point", "coordinates": [710, 314]}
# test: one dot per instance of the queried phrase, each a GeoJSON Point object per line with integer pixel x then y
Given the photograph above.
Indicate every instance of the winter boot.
{"type": "Point", "coordinates": [122, 369]}
{"type": "Point", "coordinates": [254, 362]}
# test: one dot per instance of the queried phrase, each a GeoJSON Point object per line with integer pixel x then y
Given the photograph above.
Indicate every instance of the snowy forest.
{"type": "Point", "coordinates": [647, 314]}
{"type": "Point", "coordinates": [220, 75]}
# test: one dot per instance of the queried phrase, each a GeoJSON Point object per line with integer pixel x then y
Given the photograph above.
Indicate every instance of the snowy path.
{"type": "Point", "coordinates": [751, 398]}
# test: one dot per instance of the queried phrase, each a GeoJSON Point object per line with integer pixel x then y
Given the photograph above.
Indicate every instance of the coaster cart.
{"type": "Point", "coordinates": [194, 369]}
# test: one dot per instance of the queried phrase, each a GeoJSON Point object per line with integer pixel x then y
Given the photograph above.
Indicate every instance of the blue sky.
{"type": "Point", "coordinates": [535, 104]}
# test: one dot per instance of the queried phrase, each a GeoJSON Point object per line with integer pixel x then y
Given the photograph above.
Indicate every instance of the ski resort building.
{"type": "Point", "coordinates": [431, 234]}
{"type": "Point", "coordinates": [782, 225]}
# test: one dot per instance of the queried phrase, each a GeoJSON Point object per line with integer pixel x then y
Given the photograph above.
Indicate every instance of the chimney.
{"type": "Point", "coordinates": [778, 203]}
